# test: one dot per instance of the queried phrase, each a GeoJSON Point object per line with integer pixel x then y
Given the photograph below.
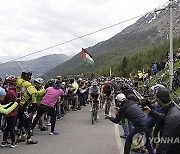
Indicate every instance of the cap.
{"type": "Point", "coordinates": [157, 87]}
{"type": "Point", "coordinates": [121, 97]}
{"type": "Point", "coordinates": [2, 92]}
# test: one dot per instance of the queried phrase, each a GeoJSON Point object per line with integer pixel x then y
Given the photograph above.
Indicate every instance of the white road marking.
{"type": "Point", "coordinates": [118, 139]}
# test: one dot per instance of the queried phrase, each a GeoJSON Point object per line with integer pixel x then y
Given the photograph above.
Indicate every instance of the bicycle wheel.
{"type": "Point", "coordinates": [92, 116]}
{"type": "Point", "coordinates": [95, 114]}
{"type": "Point", "coordinates": [107, 108]}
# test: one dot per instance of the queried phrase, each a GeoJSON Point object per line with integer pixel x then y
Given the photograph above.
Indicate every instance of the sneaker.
{"type": "Point", "coordinates": [44, 128]}
{"type": "Point", "coordinates": [98, 117]}
{"type": "Point", "coordinates": [5, 144]}
{"type": "Point", "coordinates": [13, 145]}
{"type": "Point", "coordinates": [59, 118]}
{"type": "Point", "coordinates": [30, 141]}
{"type": "Point", "coordinates": [74, 109]}
{"type": "Point", "coordinates": [91, 110]}
{"type": "Point", "coordinates": [54, 133]}
{"type": "Point", "coordinates": [79, 108]}
{"type": "Point", "coordinates": [48, 124]}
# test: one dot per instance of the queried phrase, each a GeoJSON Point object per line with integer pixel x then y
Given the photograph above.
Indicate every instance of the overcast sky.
{"type": "Point", "coordinates": [30, 25]}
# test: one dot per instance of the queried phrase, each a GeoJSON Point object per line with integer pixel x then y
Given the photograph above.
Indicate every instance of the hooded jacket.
{"type": "Point", "coordinates": [171, 120]}
{"type": "Point", "coordinates": [130, 110]}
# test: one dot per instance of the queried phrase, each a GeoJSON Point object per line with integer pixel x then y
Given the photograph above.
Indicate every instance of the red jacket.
{"type": "Point", "coordinates": [11, 96]}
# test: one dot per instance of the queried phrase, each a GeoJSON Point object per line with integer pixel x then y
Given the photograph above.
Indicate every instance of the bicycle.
{"type": "Point", "coordinates": [94, 110]}
{"type": "Point", "coordinates": [107, 104]}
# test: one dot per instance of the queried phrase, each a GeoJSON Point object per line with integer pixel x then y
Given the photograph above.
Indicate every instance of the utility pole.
{"type": "Point", "coordinates": [171, 46]}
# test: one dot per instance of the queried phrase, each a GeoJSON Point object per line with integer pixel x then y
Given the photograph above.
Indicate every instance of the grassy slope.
{"type": "Point", "coordinates": [153, 81]}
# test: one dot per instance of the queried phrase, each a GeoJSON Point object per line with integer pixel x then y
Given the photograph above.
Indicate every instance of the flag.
{"type": "Point", "coordinates": [110, 72]}
{"type": "Point", "coordinates": [87, 57]}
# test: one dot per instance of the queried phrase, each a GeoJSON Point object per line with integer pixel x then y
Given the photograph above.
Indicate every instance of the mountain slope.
{"type": "Point", "coordinates": [150, 30]}
{"type": "Point", "coordinates": [39, 66]}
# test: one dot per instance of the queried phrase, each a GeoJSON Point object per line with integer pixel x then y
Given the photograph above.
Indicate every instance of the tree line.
{"type": "Point", "coordinates": [138, 61]}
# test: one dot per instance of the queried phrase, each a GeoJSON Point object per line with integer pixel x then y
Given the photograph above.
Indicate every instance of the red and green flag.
{"type": "Point", "coordinates": [87, 57]}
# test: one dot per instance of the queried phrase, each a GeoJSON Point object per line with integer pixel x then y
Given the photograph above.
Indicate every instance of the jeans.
{"type": "Point", "coordinates": [126, 127]}
{"type": "Point", "coordinates": [129, 138]}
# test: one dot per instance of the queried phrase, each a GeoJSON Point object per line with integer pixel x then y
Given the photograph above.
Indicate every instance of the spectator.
{"type": "Point", "coordinates": [162, 65]}
{"type": "Point", "coordinates": [140, 75]}
{"type": "Point", "coordinates": [158, 66]}
{"type": "Point", "coordinates": [178, 54]}
{"type": "Point", "coordinates": [130, 110]}
{"type": "Point", "coordinates": [154, 69]}
{"type": "Point", "coordinates": [171, 120]}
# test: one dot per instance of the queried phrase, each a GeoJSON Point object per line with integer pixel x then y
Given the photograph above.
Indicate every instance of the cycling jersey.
{"type": "Point", "coordinates": [94, 90]}
{"type": "Point", "coordinates": [22, 83]}
{"type": "Point", "coordinates": [29, 96]}
{"type": "Point", "coordinates": [107, 90]}
{"type": "Point", "coordinates": [75, 86]}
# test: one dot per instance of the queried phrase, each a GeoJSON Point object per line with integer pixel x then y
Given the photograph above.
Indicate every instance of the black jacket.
{"type": "Point", "coordinates": [171, 119]}
{"type": "Point", "coordinates": [130, 110]}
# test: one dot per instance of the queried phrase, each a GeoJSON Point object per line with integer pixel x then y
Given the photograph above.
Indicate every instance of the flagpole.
{"type": "Point", "coordinates": [20, 65]}
{"type": "Point", "coordinates": [110, 72]}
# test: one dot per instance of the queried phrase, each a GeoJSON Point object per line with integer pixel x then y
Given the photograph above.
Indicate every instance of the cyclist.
{"type": "Point", "coordinates": [94, 93]}
{"type": "Point", "coordinates": [23, 82]}
{"type": "Point", "coordinates": [29, 97]}
{"type": "Point", "coordinates": [107, 92]}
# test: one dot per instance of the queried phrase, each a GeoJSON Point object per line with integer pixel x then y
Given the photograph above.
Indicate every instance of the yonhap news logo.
{"type": "Point", "coordinates": [165, 140]}
{"type": "Point", "coordinates": [139, 140]}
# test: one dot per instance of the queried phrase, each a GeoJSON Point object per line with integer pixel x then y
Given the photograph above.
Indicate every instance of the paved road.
{"type": "Point", "coordinates": [77, 136]}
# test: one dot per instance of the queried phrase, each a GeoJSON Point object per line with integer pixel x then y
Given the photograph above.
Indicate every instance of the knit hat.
{"type": "Point", "coordinates": [2, 92]}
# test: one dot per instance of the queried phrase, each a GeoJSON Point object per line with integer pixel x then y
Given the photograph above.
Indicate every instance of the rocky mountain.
{"type": "Point", "coordinates": [150, 30]}
{"type": "Point", "coordinates": [39, 66]}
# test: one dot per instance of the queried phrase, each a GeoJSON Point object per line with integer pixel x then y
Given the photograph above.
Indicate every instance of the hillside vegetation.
{"type": "Point", "coordinates": [139, 61]}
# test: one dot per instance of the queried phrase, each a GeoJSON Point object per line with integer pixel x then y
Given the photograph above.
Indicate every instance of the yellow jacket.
{"type": "Point", "coordinates": [3, 109]}
{"type": "Point", "coordinates": [29, 96]}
